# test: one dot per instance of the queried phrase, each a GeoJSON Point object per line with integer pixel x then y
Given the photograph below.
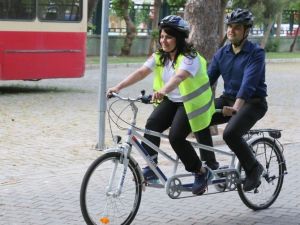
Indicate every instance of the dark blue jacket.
{"type": "Point", "coordinates": [243, 73]}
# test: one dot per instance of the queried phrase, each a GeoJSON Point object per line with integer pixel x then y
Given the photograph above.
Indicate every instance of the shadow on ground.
{"type": "Point", "coordinates": [34, 89]}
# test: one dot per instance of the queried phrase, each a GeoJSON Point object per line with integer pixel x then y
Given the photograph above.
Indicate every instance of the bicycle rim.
{"type": "Point", "coordinates": [100, 206]}
{"type": "Point", "coordinates": [269, 155]}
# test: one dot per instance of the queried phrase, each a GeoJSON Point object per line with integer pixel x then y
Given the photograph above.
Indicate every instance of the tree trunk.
{"type": "Point", "coordinates": [267, 33]}
{"type": "Point", "coordinates": [278, 22]}
{"type": "Point", "coordinates": [130, 31]}
{"type": "Point", "coordinates": [295, 39]}
{"type": "Point", "coordinates": [205, 18]}
{"type": "Point", "coordinates": [155, 21]}
{"type": "Point", "coordinates": [222, 34]}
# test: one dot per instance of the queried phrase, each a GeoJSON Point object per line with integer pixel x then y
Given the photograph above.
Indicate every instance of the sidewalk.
{"type": "Point", "coordinates": [48, 131]}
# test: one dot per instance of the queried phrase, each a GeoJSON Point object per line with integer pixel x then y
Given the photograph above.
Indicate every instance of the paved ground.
{"type": "Point", "coordinates": [48, 131]}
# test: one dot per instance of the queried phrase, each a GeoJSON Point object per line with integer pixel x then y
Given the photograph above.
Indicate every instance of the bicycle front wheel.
{"type": "Point", "coordinates": [101, 199]}
{"type": "Point", "coordinates": [270, 157]}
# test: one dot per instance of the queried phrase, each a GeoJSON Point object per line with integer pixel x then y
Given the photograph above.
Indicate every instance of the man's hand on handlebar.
{"type": "Point", "coordinates": [229, 111]}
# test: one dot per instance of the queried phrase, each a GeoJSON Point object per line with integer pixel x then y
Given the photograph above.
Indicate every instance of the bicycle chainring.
{"type": "Point", "coordinates": [175, 188]}
{"type": "Point", "coordinates": [232, 179]}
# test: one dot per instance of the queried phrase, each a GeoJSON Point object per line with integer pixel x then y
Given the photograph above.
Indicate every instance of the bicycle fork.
{"type": "Point", "coordinates": [124, 160]}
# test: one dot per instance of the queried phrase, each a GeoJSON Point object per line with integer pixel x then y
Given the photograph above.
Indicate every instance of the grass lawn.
{"type": "Point", "coordinates": [117, 59]}
{"type": "Point", "coordinates": [142, 59]}
{"type": "Point", "coordinates": [283, 55]}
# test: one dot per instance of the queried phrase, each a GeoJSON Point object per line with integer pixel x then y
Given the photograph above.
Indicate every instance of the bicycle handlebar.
{"type": "Point", "coordinates": [146, 99]}
{"type": "Point", "coordinates": [218, 110]}
{"type": "Point", "coordinates": [221, 111]}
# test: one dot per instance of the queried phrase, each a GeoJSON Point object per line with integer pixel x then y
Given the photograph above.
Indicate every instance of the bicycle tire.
{"type": "Point", "coordinates": [270, 156]}
{"type": "Point", "coordinates": [98, 206]}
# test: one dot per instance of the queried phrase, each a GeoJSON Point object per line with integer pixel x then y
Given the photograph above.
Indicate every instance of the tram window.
{"type": "Point", "coordinates": [17, 9]}
{"type": "Point", "coordinates": [60, 10]}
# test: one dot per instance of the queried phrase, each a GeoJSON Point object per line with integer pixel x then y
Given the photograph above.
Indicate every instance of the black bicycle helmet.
{"type": "Point", "coordinates": [240, 16]}
{"type": "Point", "coordinates": [177, 23]}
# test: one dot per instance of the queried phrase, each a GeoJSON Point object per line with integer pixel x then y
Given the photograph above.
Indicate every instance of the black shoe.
{"type": "Point", "coordinates": [253, 178]}
{"type": "Point", "coordinates": [213, 165]}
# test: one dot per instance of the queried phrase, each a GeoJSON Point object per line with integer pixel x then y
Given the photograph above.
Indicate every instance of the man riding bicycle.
{"type": "Point", "coordinates": [242, 67]}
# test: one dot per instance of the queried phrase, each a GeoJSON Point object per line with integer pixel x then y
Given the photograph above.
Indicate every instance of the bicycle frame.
{"type": "Point", "coordinates": [134, 138]}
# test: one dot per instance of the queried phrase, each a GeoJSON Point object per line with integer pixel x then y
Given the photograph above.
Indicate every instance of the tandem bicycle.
{"type": "Point", "coordinates": [112, 186]}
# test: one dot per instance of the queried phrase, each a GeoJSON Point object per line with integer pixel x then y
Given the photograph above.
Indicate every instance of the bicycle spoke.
{"type": "Point", "coordinates": [101, 201]}
{"type": "Point", "coordinates": [271, 159]}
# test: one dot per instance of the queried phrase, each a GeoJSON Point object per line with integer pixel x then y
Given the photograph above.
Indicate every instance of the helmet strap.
{"type": "Point", "coordinates": [246, 33]}
{"type": "Point", "coordinates": [239, 43]}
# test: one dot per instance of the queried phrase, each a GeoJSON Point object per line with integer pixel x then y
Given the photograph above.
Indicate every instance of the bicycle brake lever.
{"type": "Point", "coordinates": [146, 99]}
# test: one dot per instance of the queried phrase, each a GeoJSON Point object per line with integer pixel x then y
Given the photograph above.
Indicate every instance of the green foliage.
{"type": "Point", "coordinates": [272, 45]}
{"type": "Point", "coordinates": [118, 7]}
{"type": "Point", "coordinates": [262, 9]}
{"type": "Point", "coordinates": [177, 3]}
{"type": "Point", "coordinates": [155, 34]}
{"type": "Point", "coordinates": [91, 27]}
{"type": "Point", "coordinates": [294, 4]}
{"type": "Point", "coordinates": [142, 15]}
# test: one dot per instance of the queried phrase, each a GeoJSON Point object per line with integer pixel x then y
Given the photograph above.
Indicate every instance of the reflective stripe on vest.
{"type": "Point", "coordinates": [195, 91]}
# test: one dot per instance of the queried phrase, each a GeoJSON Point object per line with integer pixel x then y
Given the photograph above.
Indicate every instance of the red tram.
{"type": "Point", "coordinates": [41, 39]}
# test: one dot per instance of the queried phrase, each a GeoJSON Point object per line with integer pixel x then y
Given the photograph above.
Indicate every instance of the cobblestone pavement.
{"type": "Point", "coordinates": [48, 132]}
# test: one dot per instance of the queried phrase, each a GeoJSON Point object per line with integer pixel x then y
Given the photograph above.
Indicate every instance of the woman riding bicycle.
{"type": "Point", "coordinates": [186, 104]}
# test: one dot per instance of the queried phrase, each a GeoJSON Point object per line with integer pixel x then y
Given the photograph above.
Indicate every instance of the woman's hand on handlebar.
{"type": "Point", "coordinates": [112, 90]}
{"type": "Point", "coordinates": [158, 96]}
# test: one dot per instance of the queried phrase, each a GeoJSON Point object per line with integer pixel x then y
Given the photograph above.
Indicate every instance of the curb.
{"type": "Point", "coordinates": [113, 66]}
{"type": "Point", "coordinates": [136, 65]}
{"type": "Point", "coordinates": [292, 60]}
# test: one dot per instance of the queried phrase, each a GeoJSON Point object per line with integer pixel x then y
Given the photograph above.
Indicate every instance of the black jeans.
{"type": "Point", "coordinates": [237, 125]}
{"type": "Point", "coordinates": [172, 115]}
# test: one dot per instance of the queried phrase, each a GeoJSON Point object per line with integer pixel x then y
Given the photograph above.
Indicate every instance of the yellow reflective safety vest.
{"type": "Point", "coordinates": [195, 91]}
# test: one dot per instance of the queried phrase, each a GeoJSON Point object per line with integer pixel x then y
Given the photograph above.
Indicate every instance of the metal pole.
{"type": "Point", "coordinates": [103, 74]}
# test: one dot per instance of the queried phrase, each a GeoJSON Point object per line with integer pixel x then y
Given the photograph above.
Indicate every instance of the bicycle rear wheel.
{"type": "Point", "coordinates": [103, 205]}
{"type": "Point", "coordinates": [270, 156]}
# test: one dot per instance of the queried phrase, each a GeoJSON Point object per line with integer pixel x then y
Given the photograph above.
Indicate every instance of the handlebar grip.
{"type": "Point", "coordinates": [218, 110]}
{"type": "Point", "coordinates": [221, 111]}
{"type": "Point", "coordinates": [111, 95]}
